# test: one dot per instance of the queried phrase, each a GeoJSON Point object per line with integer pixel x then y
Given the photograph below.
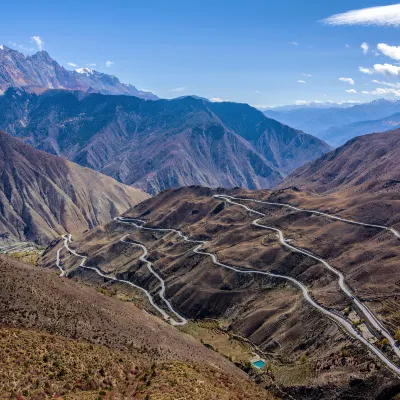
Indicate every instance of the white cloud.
{"type": "Point", "coordinates": [260, 106]}
{"type": "Point", "coordinates": [347, 46]}
{"type": "Point", "coordinates": [351, 91]}
{"type": "Point", "coordinates": [347, 80]}
{"type": "Point", "coordinates": [257, 91]}
{"type": "Point", "coordinates": [390, 51]}
{"type": "Point", "coordinates": [365, 47]}
{"type": "Point", "coordinates": [387, 69]}
{"type": "Point", "coordinates": [394, 85]}
{"type": "Point", "coordinates": [366, 70]}
{"type": "Point", "coordinates": [91, 65]}
{"type": "Point", "coordinates": [109, 63]}
{"type": "Point", "coordinates": [308, 75]}
{"type": "Point", "coordinates": [382, 16]}
{"type": "Point", "coordinates": [178, 89]}
{"type": "Point", "coordinates": [383, 91]}
{"type": "Point", "coordinates": [301, 81]}
{"type": "Point", "coordinates": [384, 69]}
{"type": "Point", "coordinates": [39, 42]}
{"type": "Point", "coordinates": [217, 100]}
{"type": "Point", "coordinates": [293, 43]}
{"type": "Point", "coordinates": [72, 64]}
{"type": "Point", "coordinates": [310, 102]}
{"type": "Point", "coordinates": [365, 92]}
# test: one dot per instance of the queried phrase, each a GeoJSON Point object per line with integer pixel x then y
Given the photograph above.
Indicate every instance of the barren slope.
{"type": "Point", "coordinates": [80, 342]}
{"type": "Point", "coordinates": [270, 313]}
{"type": "Point", "coordinates": [42, 196]}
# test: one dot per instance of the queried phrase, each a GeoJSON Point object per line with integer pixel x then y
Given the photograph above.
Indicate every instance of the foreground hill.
{"type": "Point", "coordinates": [65, 339]}
{"type": "Point", "coordinates": [160, 144]}
{"type": "Point", "coordinates": [239, 312]}
{"type": "Point", "coordinates": [40, 72]}
{"type": "Point", "coordinates": [42, 196]}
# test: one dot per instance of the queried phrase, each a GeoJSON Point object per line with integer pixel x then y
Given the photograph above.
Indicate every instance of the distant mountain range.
{"type": "Point", "coordinates": [43, 196]}
{"type": "Point", "coordinates": [39, 72]}
{"type": "Point", "coordinates": [155, 145]}
{"type": "Point", "coordinates": [336, 125]}
{"type": "Point", "coordinates": [310, 104]}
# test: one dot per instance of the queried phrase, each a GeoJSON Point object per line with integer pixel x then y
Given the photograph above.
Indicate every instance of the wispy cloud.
{"type": "Point", "coordinates": [381, 16]}
{"type": "Point", "coordinates": [393, 85]}
{"type": "Point", "coordinates": [351, 91]}
{"type": "Point", "coordinates": [347, 46]}
{"type": "Point", "coordinates": [366, 70]}
{"type": "Point", "coordinates": [109, 64]}
{"type": "Point", "coordinates": [21, 47]}
{"type": "Point", "coordinates": [308, 75]}
{"type": "Point", "coordinates": [365, 47]}
{"type": "Point", "coordinates": [301, 81]}
{"type": "Point", "coordinates": [293, 43]}
{"type": "Point", "coordinates": [389, 51]}
{"type": "Point", "coordinates": [72, 64]}
{"type": "Point", "coordinates": [347, 80]}
{"type": "Point", "coordinates": [39, 42]}
{"type": "Point", "coordinates": [91, 65]}
{"type": "Point", "coordinates": [257, 91]}
{"type": "Point", "coordinates": [178, 89]}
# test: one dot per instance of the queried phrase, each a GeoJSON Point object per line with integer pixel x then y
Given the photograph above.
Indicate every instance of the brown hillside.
{"type": "Point", "coordinates": [43, 196]}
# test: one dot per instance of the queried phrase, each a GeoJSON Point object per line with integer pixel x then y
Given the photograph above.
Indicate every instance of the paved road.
{"type": "Point", "coordinates": [161, 293]}
{"type": "Point", "coordinates": [366, 311]}
{"type": "Point", "coordinates": [68, 239]}
{"type": "Point", "coordinates": [331, 216]}
{"type": "Point", "coordinates": [343, 322]}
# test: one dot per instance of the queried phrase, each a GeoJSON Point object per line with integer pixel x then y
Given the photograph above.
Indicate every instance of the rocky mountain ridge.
{"type": "Point", "coordinates": [40, 72]}
{"type": "Point", "coordinates": [160, 144]}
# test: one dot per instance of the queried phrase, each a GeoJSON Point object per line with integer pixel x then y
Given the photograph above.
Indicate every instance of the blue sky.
{"type": "Point", "coordinates": [252, 51]}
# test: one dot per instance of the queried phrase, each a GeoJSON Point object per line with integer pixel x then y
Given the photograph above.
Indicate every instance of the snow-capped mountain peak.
{"type": "Point", "coordinates": [84, 71]}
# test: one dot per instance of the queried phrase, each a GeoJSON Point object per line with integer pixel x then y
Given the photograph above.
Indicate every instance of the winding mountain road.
{"type": "Point", "coordinates": [331, 216]}
{"type": "Point", "coordinates": [343, 322]}
{"type": "Point", "coordinates": [365, 310]}
{"type": "Point", "coordinates": [68, 239]}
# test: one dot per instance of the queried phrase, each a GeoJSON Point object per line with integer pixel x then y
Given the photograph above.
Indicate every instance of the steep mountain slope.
{"type": "Point", "coordinates": [364, 164]}
{"type": "Point", "coordinates": [40, 71]}
{"type": "Point", "coordinates": [317, 121]}
{"type": "Point", "coordinates": [338, 136]}
{"type": "Point", "coordinates": [42, 196]}
{"type": "Point", "coordinates": [160, 144]}
{"type": "Point", "coordinates": [65, 339]}
{"type": "Point", "coordinates": [239, 312]}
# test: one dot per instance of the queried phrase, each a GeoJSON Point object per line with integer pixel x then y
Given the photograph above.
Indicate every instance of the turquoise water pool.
{"type": "Point", "coordinates": [259, 364]}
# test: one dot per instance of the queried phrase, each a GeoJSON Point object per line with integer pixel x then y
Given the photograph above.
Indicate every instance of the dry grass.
{"type": "Point", "coordinates": [37, 365]}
